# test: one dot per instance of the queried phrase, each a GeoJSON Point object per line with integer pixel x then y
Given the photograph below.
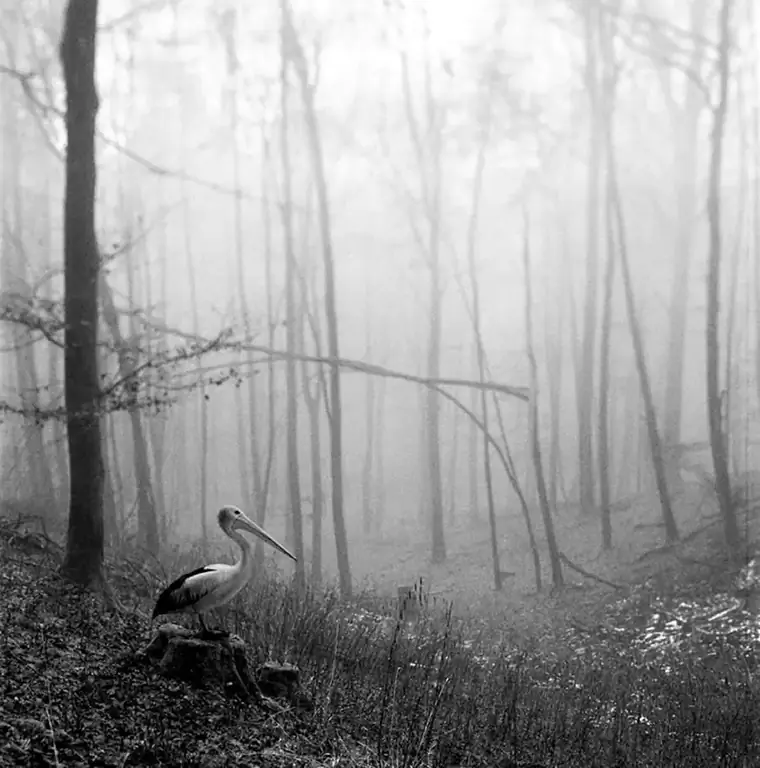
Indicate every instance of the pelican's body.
{"type": "Point", "coordinates": [206, 588]}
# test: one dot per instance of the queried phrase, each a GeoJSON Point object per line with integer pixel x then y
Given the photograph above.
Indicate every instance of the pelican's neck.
{"type": "Point", "coordinates": [246, 558]}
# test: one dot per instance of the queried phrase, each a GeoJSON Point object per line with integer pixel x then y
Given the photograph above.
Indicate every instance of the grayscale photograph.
{"type": "Point", "coordinates": [379, 383]}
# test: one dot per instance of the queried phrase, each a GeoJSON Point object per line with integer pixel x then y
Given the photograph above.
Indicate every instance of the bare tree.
{"type": "Point", "coordinates": [717, 436]}
{"type": "Point", "coordinates": [534, 423]}
{"type": "Point", "coordinates": [684, 119]}
{"type": "Point", "coordinates": [369, 451]}
{"type": "Point", "coordinates": [472, 229]}
{"type": "Point", "coordinates": [585, 368]}
{"type": "Point", "coordinates": [127, 357]}
{"type": "Point", "coordinates": [604, 105]}
{"type": "Point", "coordinates": [313, 390]}
{"type": "Point", "coordinates": [291, 317]}
{"type": "Point", "coordinates": [266, 215]}
{"type": "Point", "coordinates": [333, 347]}
{"type": "Point", "coordinates": [472, 450]}
{"type": "Point", "coordinates": [427, 143]}
{"type": "Point", "coordinates": [380, 419]}
{"type": "Point", "coordinates": [228, 25]}
{"type": "Point", "coordinates": [83, 561]}
{"type": "Point", "coordinates": [650, 418]}
{"type": "Point", "coordinates": [193, 286]}
{"type": "Point", "coordinates": [14, 263]}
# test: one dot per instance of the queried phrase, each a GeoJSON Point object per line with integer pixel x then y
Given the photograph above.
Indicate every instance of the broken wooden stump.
{"type": "Point", "coordinates": [183, 654]}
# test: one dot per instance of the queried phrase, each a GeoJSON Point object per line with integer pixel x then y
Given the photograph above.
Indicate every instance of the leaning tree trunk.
{"type": "Point", "coordinates": [83, 562]}
{"type": "Point", "coordinates": [653, 435]}
{"type": "Point", "coordinates": [331, 310]}
{"type": "Point", "coordinates": [717, 436]}
{"type": "Point", "coordinates": [472, 230]}
{"type": "Point", "coordinates": [534, 428]}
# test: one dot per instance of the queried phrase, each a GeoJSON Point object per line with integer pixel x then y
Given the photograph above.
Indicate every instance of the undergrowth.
{"type": "Point", "coordinates": [445, 692]}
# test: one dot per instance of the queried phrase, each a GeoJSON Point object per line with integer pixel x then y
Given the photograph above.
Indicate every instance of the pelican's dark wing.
{"type": "Point", "coordinates": [176, 596]}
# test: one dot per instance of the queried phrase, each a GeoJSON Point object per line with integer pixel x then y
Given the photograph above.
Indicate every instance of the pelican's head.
{"type": "Point", "coordinates": [233, 519]}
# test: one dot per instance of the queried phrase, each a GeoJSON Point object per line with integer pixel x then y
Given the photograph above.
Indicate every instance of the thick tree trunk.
{"type": "Point", "coordinates": [83, 562]}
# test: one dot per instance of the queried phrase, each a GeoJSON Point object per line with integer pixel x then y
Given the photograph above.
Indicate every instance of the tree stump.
{"type": "Point", "coordinates": [183, 654]}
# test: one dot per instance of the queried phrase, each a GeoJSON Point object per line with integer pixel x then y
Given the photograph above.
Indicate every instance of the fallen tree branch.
{"type": "Point", "coordinates": [573, 567]}
{"type": "Point", "coordinates": [520, 393]}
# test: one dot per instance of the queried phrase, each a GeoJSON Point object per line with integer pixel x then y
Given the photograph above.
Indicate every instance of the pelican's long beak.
{"type": "Point", "coordinates": [248, 525]}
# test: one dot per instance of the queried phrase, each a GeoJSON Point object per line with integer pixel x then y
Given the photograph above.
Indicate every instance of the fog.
{"type": "Point", "coordinates": [191, 195]}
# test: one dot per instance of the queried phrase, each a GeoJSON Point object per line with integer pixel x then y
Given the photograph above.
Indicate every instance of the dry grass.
{"type": "Point", "coordinates": [452, 691]}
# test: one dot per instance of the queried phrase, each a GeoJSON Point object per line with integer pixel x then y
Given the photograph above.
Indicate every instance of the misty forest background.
{"type": "Point", "coordinates": [560, 199]}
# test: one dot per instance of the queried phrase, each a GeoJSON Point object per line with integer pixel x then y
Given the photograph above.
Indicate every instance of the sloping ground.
{"type": "Point", "coordinates": [72, 693]}
{"type": "Point", "coordinates": [653, 684]}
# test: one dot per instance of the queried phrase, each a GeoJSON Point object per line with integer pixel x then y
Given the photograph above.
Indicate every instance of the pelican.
{"type": "Point", "coordinates": [208, 587]}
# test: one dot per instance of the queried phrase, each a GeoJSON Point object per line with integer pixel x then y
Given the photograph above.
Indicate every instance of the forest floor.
{"type": "Point", "coordinates": [662, 673]}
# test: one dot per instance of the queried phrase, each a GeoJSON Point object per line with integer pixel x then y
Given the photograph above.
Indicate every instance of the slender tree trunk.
{"type": "Point", "coordinates": [427, 145]}
{"type": "Point", "coordinates": [202, 498]}
{"type": "Point", "coordinates": [380, 453]}
{"type": "Point", "coordinates": [585, 376]}
{"type": "Point", "coordinates": [685, 122]}
{"type": "Point", "coordinates": [146, 507]}
{"type": "Point", "coordinates": [603, 438]}
{"type": "Point", "coordinates": [293, 469]}
{"type": "Point", "coordinates": [453, 463]}
{"type": "Point", "coordinates": [472, 231]}
{"type": "Point", "coordinates": [655, 445]}
{"type": "Point", "coordinates": [111, 531]}
{"type": "Point", "coordinates": [39, 480]}
{"type": "Point", "coordinates": [83, 562]}
{"type": "Point", "coordinates": [368, 522]}
{"type": "Point", "coordinates": [331, 311]}
{"type": "Point", "coordinates": [117, 481]}
{"type": "Point", "coordinates": [313, 402]}
{"type": "Point", "coordinates": [717, 436]}
{"type": "Point", "coordinates": [534, 428]}
{"type": "Point", "coordinates": [271, 329]}
{"type": "Point", "coordinates": [472, 450]}
{"type": "Point", "coordinates": [605, 104]}
{"type": "Point", "coordinates": [252, 490]}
